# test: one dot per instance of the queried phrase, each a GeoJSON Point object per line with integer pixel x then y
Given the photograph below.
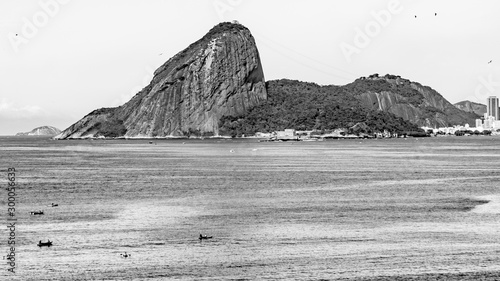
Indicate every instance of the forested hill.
{"type": "Point", "coordinates": [308, 106]}
{"type": "Point", "coordinates": [383, 103]}
{"type": "Point", "coordinates": [410, 100]}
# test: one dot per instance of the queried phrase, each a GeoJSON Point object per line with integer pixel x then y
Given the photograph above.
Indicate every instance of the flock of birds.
{"type": "Point", "coordinates": [435, 14]}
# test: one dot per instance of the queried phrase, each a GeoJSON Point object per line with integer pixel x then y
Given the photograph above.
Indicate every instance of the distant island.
{"type": "Point", "coordinates": [41, 131]}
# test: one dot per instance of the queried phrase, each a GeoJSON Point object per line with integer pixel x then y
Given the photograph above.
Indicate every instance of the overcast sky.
{"type": "Point", "coordinates": [70, 57]}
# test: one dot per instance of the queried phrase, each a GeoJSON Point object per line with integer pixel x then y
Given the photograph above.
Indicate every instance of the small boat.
{"type": "Point", "coordinates": [205, 237]}
{"type": "Point", "coordinates": [36, 213]}
{"type": "Point", "coordinates": [125, 255]}
{"type": "Point", "coordinates": [44, 244]}
{"type": "Point", "coordinates": [54, 205]}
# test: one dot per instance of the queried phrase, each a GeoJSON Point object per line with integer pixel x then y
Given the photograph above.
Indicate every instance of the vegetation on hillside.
{"type": "Point", "coordinates": [308, 106]}
{"type": "Point", "coordinates": [375, 84]}
{"type": "Point", "coordinates": [103, 110]}
{"type": "Point", "coordinates": [111, 128]}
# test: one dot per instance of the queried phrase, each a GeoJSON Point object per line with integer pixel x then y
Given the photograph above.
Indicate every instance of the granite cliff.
{"type": "Point", "coordinates": [469, 106]}
{"type": "Point", "coordinates": [218, 75]}
{"type": "Point", "coordinates": [410, 100]}
{"type": "Point", "coordinates": [41, 131]}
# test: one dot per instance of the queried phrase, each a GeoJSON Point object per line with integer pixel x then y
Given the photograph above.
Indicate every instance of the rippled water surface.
{"type": "Point", "coordinates": [340, 209]}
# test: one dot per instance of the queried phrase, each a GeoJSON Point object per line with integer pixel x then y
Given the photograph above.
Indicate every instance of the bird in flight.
{"type": "Point", "coordinates": [435, 14]}
{"type": "Point", "coordinates": [415, 16]}
{"type": "Point", "coordinates": [490, 61]}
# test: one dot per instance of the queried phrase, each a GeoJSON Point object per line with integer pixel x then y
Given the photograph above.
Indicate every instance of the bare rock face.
{"type": "Point", "coordinates": [410, 100]}
{"type": "Point", "coordinates": [469, 106]}
{"type": "Point", "coordinates": [220, 74]}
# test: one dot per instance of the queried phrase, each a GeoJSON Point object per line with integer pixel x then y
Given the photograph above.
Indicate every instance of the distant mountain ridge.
{"type": "Point", "coordinates": [216, 86]}
{"type": "Point", "coordinates": [382, 103]}
{"type": "Point", "coordinates": [469, 106]}
{"type": "Point", "coordinates": [309, 106]}
{"type": "Point", "coordinates": [41, 131]}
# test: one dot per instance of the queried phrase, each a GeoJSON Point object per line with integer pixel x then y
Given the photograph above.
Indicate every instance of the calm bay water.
{"type": "Point", "coordinates": [340, 209]}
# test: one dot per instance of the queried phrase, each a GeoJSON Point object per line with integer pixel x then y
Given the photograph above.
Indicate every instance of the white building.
{"type": "Point", "coordinates": [492, 107]}
{"type": "Point", "coordinates": [479, 123]}
{"type": "Point", "coordinates": [489, 122]}
{"type": "Point", "coordinates": [287, 134]}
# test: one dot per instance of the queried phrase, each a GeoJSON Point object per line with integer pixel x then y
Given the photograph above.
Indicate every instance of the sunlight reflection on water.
{"type": "Point", "coordinates": [492, 207]}
{"type": "Point", "coordinates": [303, 211]}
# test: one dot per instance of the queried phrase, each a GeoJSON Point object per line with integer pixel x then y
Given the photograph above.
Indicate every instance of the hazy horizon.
{"type": "Point", "coordinates": [63, 59]}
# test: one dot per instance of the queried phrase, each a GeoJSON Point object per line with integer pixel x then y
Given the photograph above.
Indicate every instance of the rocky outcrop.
{"type": "Point", "coordinates": [410, 100]}
{"type": "Point", "coordinates": [391, 102]}
{"type": "Point", "coordinates": [218, 75]}
{"type": "Point", "coordinates": [469, 106]}
{"type": "Point", "coordinates": [98, 123]}
{"type": "Point", "coordinates": [41, 131]}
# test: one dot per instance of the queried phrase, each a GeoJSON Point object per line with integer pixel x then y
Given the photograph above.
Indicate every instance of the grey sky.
{"type": "Point", "coordinates": [73, 56]}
